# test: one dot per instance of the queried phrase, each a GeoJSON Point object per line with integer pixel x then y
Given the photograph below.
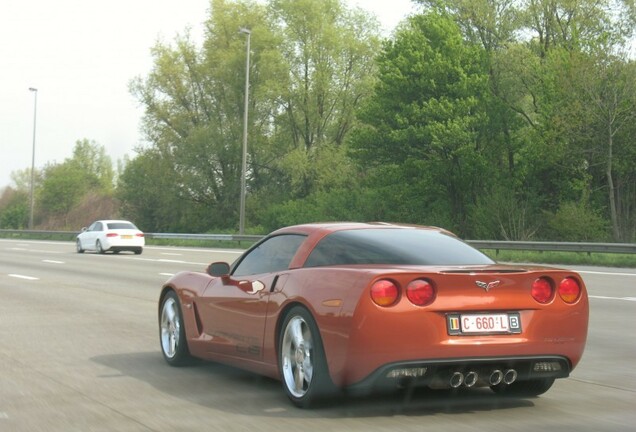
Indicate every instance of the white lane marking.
{"type": "Point", "coordinates": [605, 273]}
{"type": "Point", "coordinates": [169, 261]}
{"type": "Point", "coordinates": [207, 251]}
{"type": "Point", "coordinates": [53, 262]}
{"type": "Point", "coordinates": [4, 415]}
{"type": "Point", "coordinates": [167, 274]}
{"type": "Point", "coordinates": [275, 410]}
{"type": "Point", "coordinates": [23, 277]}
{"type": "Point", "coordinates": [613, 298]}
{"type": "Point", "coordinates": [171, 254]}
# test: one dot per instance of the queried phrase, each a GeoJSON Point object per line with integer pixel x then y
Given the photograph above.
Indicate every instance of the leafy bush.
{"type": "Point", "coordinates": [577, 222]}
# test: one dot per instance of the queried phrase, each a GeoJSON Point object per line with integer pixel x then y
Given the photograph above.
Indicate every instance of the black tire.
{"type": "Point", "coordinates": [98, 247]}
{"type": "Point", "coordinates": [301, 360]}
{"type": "Point", "coordinates": [172, 338]}
{"type": "Point", "coordinates": [78, 245]}
{"type": "Point", "coordinates": [526, 388]}
{"type": "Point", "coordinates": [138, 251]}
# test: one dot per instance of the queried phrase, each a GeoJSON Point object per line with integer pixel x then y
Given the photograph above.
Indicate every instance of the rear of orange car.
{"type": "Point", "coordinates": [473, 326]}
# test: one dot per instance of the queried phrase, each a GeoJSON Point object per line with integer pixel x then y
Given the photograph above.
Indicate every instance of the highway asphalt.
{"type": "Point", "coordinates": [79, 351]}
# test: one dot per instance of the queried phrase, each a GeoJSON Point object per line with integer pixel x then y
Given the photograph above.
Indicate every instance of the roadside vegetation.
{"type": "Point", "coordinates": [495, 119]}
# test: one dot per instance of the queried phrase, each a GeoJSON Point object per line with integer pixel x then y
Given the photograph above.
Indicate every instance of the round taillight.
{"type": "Point", "coordinates": [420, 292]}
{"type": "Point", "coordinates": [569, 290]}
{"type": "Point", "coordinates": [542, 290]}
{"type": "Point", "coordinates": [384, 292]}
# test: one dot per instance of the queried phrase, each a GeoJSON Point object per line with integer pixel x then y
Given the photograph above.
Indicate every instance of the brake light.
{"type": "Point", "coordinates": [112, 235]}
{"type": "Point", "coordinates": [569, 290]}
{"type": "Point", "coordinates": [139, 234]}
{"type": "Point", "coordinates": [420, 292]}
{"type": "Point", "coordinates": [542, 290]}
{"type": "Point", "coordinates": [384, 292]}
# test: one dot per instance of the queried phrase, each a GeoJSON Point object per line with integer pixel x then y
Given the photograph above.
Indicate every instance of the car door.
{"type": "Point", "coordinates": [233, 309]}
{"type": "Point", "coordinates": [89, 236]}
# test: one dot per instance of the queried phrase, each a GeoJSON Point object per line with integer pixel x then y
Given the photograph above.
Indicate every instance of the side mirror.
{"type": "Point", "coordinates": [218, 269]}
{"type": "Point", "coordinates": [84, 229]}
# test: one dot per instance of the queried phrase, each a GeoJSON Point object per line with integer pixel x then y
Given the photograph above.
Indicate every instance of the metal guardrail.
{"type": "Point", "coordinates": [226, 237]}
{"type": "Point", "coordinates": [176, 236]}
{"type": "Point", "coordinates": [583, 247]}
{"type": "Point", "coordinates": [623, 248]}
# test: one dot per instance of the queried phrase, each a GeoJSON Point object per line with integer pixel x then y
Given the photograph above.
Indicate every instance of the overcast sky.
{"type": "Point", "coordinates": [81, 55]}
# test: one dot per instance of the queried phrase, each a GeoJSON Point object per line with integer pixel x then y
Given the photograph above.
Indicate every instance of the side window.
{"type": "Point", "coordinates": [94, 227]}
{"type": "Point", "coordinates": [273, 255]}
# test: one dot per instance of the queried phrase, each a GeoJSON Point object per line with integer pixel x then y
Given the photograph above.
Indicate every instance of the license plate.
{"type": "Point", "coordinates": [486, 323]}
{"type": "Point", "coordinates": [127, 237]}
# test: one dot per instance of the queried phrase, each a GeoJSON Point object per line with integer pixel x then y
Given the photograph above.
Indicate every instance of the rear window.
{"type": "Point", "coordinates": [393, 246]}
{"type": "Point", "coordinates": [121, 225]}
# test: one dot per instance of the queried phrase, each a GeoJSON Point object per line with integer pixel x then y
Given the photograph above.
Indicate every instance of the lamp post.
{"type": "Point", "coordinates": [35, 111]}
{"type": "Point", "coordinates": [244, 160]}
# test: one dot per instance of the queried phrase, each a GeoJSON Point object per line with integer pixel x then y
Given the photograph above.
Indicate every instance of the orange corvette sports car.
{"type": "Point", "coordinates": [327, 307]}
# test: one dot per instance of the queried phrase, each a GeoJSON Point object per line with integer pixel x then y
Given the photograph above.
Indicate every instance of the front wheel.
{"type": "Point", "coordinates": [78, 245]}
{"type": "Point", "coordinates": [301, 358]}
{"type": "Point", "coordinates": [526, 388]}
{"type": "Point", "coordinates": [174, 346]}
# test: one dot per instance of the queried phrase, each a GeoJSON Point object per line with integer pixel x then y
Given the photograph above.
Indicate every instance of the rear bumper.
{"type": "Point", "coordinates": [125, 248]}
{"type": "Point", "coordinates": [124, 245]}
{"type": "Point", "coordinates": [467, 372]}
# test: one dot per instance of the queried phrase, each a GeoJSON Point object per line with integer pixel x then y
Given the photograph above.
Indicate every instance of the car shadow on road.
{"type": "Point", "coordinates": [233, 390]}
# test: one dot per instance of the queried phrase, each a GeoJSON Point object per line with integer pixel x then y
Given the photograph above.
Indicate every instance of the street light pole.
{"type": "Point", "coordinates": [245, 108]}
{"type": "Point", "coordinates": [35, 111]}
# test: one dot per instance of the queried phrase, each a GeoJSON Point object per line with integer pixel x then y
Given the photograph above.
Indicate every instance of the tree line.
{"type": "Point", "coordinates": [496, 119]}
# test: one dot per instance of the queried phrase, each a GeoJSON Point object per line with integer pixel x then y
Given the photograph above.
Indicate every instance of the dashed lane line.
{"type": "Point", "coordinates": [613, 298]}
{"type": "Point", "coordinates": [18, 276]}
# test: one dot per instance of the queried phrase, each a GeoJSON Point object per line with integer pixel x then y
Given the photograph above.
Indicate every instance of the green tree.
{"type": "Point", "coordinates": [604, 94]}
{"type": "Point", "coordinates": [422, 127]}
{"type": "Point", "coordinates": [14, 209]}
{"type": "Point", "coordinates": [329, 51]}
{"type": "Point", "coordinates": [149, 195]}
{"type": "Point", "coordinates": [63, 185]}
{"type": "Point", "coordinates": [91, 159]}
{"type": "Point", "coordinates": [193, 100]}
{"type": "Point", "coordinates": [311, 65]}
{"type": "Point", "coordinates": [62, 188]}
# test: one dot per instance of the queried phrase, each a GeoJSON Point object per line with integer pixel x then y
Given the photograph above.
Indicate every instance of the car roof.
{"type": "Point", "coordinates": [108, 221]}
{"type": "Point", "coordinates": [330, 227]}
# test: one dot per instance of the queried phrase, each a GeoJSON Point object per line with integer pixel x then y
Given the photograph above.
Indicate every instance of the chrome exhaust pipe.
{"type": "Point", "coordinates": [456, 379]}
{"type": "Point", "coordinates": [496, 377]}
{"type": "Point", "coordinates": [471, 379]}
{"type": "Point", "coordinates": [510, 376]}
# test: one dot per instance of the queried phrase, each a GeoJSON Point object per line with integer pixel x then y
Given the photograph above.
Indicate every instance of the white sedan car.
{"type": "Point", "coordinates": [111, 235]}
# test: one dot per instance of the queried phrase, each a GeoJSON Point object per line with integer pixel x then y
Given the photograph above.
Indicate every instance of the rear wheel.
{"type": "Point", "coordinates": [138, 251]}
{"type": "Point", "coordinates": [174, 346]}
{"type": "Point", "coordinates": [526, 388]}
{"type": "Point", "coordinates": [99, 248]}
{"type": "Point", "coordinates": [301, 358]}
